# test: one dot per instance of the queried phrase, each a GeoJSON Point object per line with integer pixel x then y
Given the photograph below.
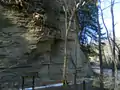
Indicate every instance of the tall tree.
{"type": "Point", "coordinates": [113, 44]}
{"type": "Point", "coordinates": [114, 65]}
{"type": "Point", "coordinates": [113, 30]}
{"type": "Point", "coordinates": [100, 53]}
{"type": "Point", "coordinates": [89, 31]}
{"type": "Point", "coordinates": [88, 23]}
{"type": "Point", "coordinates": [67, 27]}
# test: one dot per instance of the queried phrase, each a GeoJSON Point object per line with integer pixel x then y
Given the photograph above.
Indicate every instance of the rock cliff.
{"type": "Point", "coordinates": [27, 45]}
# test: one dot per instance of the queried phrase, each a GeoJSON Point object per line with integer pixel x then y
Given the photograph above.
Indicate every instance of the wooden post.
{"type": "Point", "coordinates": [33, 83]}
{"type": "Point", "coordinates": [22, 82]}
{"type": "Point", "coordinates": [0, 86]}
{"type": "Point", "coordinates": [84, 86]}
{"type": "Point", "coordinates": [119, 55]}
{"type": "Point", "coordinates": [75, 77]}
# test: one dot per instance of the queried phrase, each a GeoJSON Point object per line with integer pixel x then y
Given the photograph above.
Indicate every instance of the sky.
{"type": "Point", "coordinates": [107, 16]}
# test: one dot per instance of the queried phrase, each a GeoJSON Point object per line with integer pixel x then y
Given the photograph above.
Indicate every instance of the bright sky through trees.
{"type": "Point", "coordinates": [107, 15]}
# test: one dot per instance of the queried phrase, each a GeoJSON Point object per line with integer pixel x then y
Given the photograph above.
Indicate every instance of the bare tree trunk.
{"type": "Point", "coordinates": [114, 65]}
{"type": "Point", "coordinates": [23, 80]}
{"type": "Point", "coordinates": [67, 27]}
{"type": "Point", "coordinates": [100, 58]}
{"type": "Point", "coordinates": [65, 50]}
{"type": "Point", "coordinates": [112, 46]}
{"type": "Point", "coordinates": [103, 21]}
{"type": "Point", "coordinates": [113, 29]}
{"type": "Point", "coordinates": [33, 82]}
{"type": "Point", "coordinates": [100, 54]}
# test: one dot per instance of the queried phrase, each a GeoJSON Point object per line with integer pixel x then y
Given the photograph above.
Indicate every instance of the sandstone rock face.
{"type": "Point", "coordinates": [40, 48]}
